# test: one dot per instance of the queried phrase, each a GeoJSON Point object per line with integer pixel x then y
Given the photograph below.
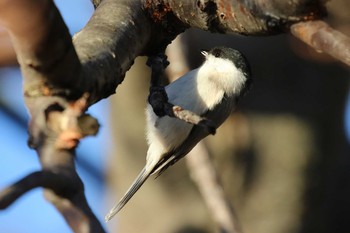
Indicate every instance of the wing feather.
{"type": "Point", "coordinates": [218, 115]}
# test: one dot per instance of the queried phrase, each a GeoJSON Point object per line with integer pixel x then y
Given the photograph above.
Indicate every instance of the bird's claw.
{"type": "Point", "coordinates": [157, 60]}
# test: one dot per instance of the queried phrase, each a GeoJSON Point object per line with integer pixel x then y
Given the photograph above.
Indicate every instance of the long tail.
{"type": "Point", "coordinates": [141, 178]}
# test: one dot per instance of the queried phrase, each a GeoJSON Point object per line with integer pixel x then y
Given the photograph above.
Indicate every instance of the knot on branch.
{"type": "Point", "coordinates": [212, 19]}
{"type": "Point", "coordinates": [64, 124]}
{"type": "Point", "coordinates": [159, 10]}
{"type": "Point", "coordinates": [41, 89]}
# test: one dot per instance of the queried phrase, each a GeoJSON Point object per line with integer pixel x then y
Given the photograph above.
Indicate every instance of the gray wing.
{"type": "Point", "coordinates": [218, 115]}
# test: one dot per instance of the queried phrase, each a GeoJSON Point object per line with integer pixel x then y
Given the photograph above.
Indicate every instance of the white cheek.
{"type": "Point", "coordinates": [224, 74]}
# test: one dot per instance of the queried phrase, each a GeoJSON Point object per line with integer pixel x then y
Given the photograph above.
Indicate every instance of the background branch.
{"type": "Point", "coordinates": [320, 36]}
{"type": "Point", "coordinates": [205, 176]}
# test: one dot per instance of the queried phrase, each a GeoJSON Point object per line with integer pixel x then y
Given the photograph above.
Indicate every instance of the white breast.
{"type": "Point", "coordinates": [223, 74]}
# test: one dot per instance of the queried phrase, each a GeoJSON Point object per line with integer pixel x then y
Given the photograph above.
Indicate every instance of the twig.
{"type": "Point", "coordinates": [208, 182]}
{"type": "Point", "coordinates": [64, 189]}
{"type": "Point", "coordinates": [16, 190]}
{"type": "Point", "coordinates": [61, 183]}
{"type": "Point", "coordinates": [323, 38]}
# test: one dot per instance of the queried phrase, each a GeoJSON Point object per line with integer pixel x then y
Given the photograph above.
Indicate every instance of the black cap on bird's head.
{"type": "Point", "coordinates": [233, 55]}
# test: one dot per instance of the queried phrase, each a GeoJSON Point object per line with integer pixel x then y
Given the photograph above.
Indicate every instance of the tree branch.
{"type": "Point", "coordinates": [247, 17]}
{"type": "Point", "coordinates": [204, 174]}
{"type": "Point", "coordinates": [53, 91]}
{"type": "Point", "coordinates": [109, 43]}
{"type": "Point", "coordinates": [320, 36]}
{"type": "Point", "coordinates": [56, 181]}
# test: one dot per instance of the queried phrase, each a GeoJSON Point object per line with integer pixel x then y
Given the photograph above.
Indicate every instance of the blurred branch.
{"type": "Point", "coordinates": [204, 174]}
{"type": "Point", "coordinates": [64, 189]}
{"type": "Point", "coordinates": [7, 55]}
{"type": "Point", "coordinates": [47, 179]}
{"type": "Point", "coordinates": [320, 36]}
{"type": "Point", "coordinates": [16, 190]}
{"type": "Point", "coordinates": [55, 100]}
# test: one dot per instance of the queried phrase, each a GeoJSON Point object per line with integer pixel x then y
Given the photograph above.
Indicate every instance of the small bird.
{"type": "Point", "coordinates": [211, 91]}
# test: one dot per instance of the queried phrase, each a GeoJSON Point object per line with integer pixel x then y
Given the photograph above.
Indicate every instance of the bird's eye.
{"type": "Point", "coordinates": [217, 53]}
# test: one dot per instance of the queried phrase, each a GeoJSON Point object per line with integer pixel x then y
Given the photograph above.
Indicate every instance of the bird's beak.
{"type": "Point", "coordinates": [204, 52]}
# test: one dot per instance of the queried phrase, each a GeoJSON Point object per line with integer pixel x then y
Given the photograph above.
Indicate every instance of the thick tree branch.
{"type": "Point", "coordinates": [247, 17]}
{"type": "Point", "coordinates": [99, 46]}
{"type": "Point", "coordinates": [107, 46]}
{"type": "Point", "coordinates": [118, 32]}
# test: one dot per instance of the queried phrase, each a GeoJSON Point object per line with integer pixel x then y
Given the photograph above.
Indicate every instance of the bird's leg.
{"type": "Point", "coordinates": [158, 97]}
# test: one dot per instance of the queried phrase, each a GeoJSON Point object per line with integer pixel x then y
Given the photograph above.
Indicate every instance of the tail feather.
{"type": "Point", "coordinates": [141, 178]}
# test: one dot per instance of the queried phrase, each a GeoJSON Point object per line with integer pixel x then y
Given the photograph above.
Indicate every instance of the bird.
{"type": "Point", "coordinates": [211, 91]}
